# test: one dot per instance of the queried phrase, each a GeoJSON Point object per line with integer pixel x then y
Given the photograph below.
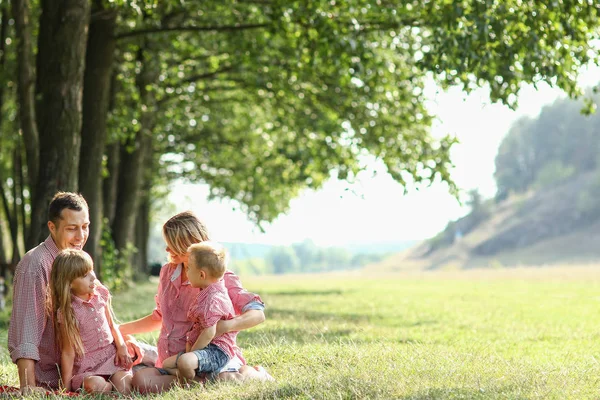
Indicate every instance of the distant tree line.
{"type": "Point", "coordinates": [304, 257]}
{"type": "Point", "coordinates": [537, 152]}
{"type": "Point", "coordinates": [561, 143]}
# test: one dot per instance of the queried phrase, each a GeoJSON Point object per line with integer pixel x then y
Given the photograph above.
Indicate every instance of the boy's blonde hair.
{"type": "Point", "coordinates": [183, 230]}
{"type": "Point", "coordinates": [210, 256]}
{"type": "Point", "coordinates": [67, 266]}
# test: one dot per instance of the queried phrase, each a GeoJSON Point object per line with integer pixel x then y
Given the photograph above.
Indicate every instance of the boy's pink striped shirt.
{"type": "Point", "coordinates": [210, 306]}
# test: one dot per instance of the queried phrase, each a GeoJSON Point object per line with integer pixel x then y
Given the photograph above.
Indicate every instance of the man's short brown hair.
{"type": "Point", "coordinates": [63, 200]}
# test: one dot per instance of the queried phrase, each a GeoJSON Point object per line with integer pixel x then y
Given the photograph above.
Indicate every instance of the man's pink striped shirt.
{"type": "Point", "coordinates": [31, 334]}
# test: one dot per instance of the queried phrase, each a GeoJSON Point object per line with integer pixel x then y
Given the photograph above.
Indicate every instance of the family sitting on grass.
{"type": "Point", "coordinates": [62, 332]}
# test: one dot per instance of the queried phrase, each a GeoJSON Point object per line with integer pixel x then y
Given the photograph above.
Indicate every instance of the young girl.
{"type": "Point", "coordinates": [93, 353]}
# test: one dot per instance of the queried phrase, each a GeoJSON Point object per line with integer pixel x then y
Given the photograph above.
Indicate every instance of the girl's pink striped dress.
{"type": "Point", "coordinates": [97, 339]}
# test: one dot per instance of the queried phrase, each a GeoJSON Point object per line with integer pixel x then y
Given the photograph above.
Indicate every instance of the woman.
{"type": "Point", "coordinates": [173, 299]}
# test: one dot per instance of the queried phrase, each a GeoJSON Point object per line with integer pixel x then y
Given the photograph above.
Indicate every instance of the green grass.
{"type": "Point", "coordinates": [516, 334]}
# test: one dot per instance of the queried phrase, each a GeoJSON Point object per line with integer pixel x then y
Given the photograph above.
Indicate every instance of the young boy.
{"type": "Point", "coordinates": [206, 353]}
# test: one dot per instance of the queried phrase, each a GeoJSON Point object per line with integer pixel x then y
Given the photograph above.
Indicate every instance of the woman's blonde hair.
{"type": "Point", "coordinates": [67, 266]}
{"type": "Point", "coordinates": [183, 230]}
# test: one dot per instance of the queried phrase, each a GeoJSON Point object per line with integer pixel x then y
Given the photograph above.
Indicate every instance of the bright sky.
{"type": "Point", "coordinates": [375, 208]}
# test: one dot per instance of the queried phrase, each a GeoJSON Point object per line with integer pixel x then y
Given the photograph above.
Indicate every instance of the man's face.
{"type": "Point", "coordinates": [72, 230]}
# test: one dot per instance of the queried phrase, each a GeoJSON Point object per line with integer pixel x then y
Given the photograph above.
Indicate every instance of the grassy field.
{"type": "Point", "coordinates": [478, 334]}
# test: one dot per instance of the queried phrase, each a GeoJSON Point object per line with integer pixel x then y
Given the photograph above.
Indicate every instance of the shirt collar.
{"type": "Point", "coordinates": [177, 274]}
{"type": "Point", "coordinates": [51, 246]}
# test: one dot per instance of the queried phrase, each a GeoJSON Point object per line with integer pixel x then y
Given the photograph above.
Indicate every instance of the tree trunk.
{"type": "Point", "coordinates": [109, 186]}
{"type": "Point", "coordinates": [25, 81]}
{"type": "Point", "coordinates": [132, 167]}
{"type": "Point", "coordinates": [142, 231]}
{"type": "Point", "coordinates": [96, 89]}
{"type": "Point", "coordinates": [62, 43]}
{"type": "Point", "coordinates": [129, 194]}
{"type": "Point", "coordinates": [13, 223]}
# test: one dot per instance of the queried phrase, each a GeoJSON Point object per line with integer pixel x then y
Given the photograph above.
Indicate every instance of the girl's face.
{"type": "Point", "coordinates": [83, 287]}
{"type": "Point", "coordinates": [176, 258]}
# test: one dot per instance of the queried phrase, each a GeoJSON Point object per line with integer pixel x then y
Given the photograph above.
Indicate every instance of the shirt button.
{"type": "Point", "coordinates": [92, 308]}
{"type": "Point", "coordinates": [95, 319]}
{"type": "Point", "coordinates": [98, 329]}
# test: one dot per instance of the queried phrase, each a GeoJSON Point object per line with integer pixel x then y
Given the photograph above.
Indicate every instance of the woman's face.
{"type": "Point", "coordinates": [176, 258]}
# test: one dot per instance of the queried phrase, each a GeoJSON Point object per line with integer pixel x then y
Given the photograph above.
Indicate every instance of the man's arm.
{"type": "Point", "coordinates": [26, 367]}
{"type": "Point", "coordinates": [27, 322]}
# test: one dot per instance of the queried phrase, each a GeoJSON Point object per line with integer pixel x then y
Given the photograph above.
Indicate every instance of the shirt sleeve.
{"type": "Point", "coordinates": [239, 296]}
{"type": "Point", "coordinates": [28, 318]}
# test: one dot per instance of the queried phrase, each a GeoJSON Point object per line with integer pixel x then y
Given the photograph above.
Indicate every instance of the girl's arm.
{"type": "Point", "coordinates": [67, 359]}
{"type": "Point", "coordinates": [205, 338]}
{"type": "Point", "coordinates": [122, 358]}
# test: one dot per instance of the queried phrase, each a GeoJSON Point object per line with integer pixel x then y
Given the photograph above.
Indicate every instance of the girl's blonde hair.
{"type": "Point", "coordinates": [183, 230]}
{"type": "Point", "coordinates": [67, 266]}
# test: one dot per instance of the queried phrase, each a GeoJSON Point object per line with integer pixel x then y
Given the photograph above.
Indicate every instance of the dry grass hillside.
{"type": "Point", "coordinates": [555, 225]}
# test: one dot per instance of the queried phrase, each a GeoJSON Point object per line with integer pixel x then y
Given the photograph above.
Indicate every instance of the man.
{"type": "Point", "coordinates": [30, 335]}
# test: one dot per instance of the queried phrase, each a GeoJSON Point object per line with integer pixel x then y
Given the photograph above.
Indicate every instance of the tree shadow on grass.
{"type": "Point", "coordinates": [467, 394]}
{"type": "Point", "coordinates": [354, 318]}
{"type": "Point", "coordinates": [332, 292]}
{"type": "Point", "coordinates": [296, 335]}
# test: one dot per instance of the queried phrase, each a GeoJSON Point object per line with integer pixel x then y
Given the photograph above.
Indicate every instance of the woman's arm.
{"type": "Point", "coordinates": [247, 320]}
{"type": "Point", "coordinates": [148, 323]}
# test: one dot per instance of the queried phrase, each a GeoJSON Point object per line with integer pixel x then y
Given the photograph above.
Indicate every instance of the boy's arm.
{"type": "Point", "coordinates": [67, 359]}
{"type": "Point", "coordinates": [206, 336]}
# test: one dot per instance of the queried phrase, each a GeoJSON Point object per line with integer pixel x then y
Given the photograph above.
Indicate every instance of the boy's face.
{"type": "Point", "coordinates": [196, 276]}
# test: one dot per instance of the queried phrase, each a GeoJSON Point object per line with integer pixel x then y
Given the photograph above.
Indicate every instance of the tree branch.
{"type": "Point", "coordinates": [199, 77]}
{"type": "Point", "coordinates": [216, 28]}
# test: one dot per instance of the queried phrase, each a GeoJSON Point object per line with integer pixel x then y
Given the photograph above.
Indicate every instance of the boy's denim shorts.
{"type": "Point", "coordinates": [211, 360]}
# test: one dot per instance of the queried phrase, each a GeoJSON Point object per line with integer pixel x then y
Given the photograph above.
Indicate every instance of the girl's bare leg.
{"type": "Point", "coordinates": [96, 384]}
